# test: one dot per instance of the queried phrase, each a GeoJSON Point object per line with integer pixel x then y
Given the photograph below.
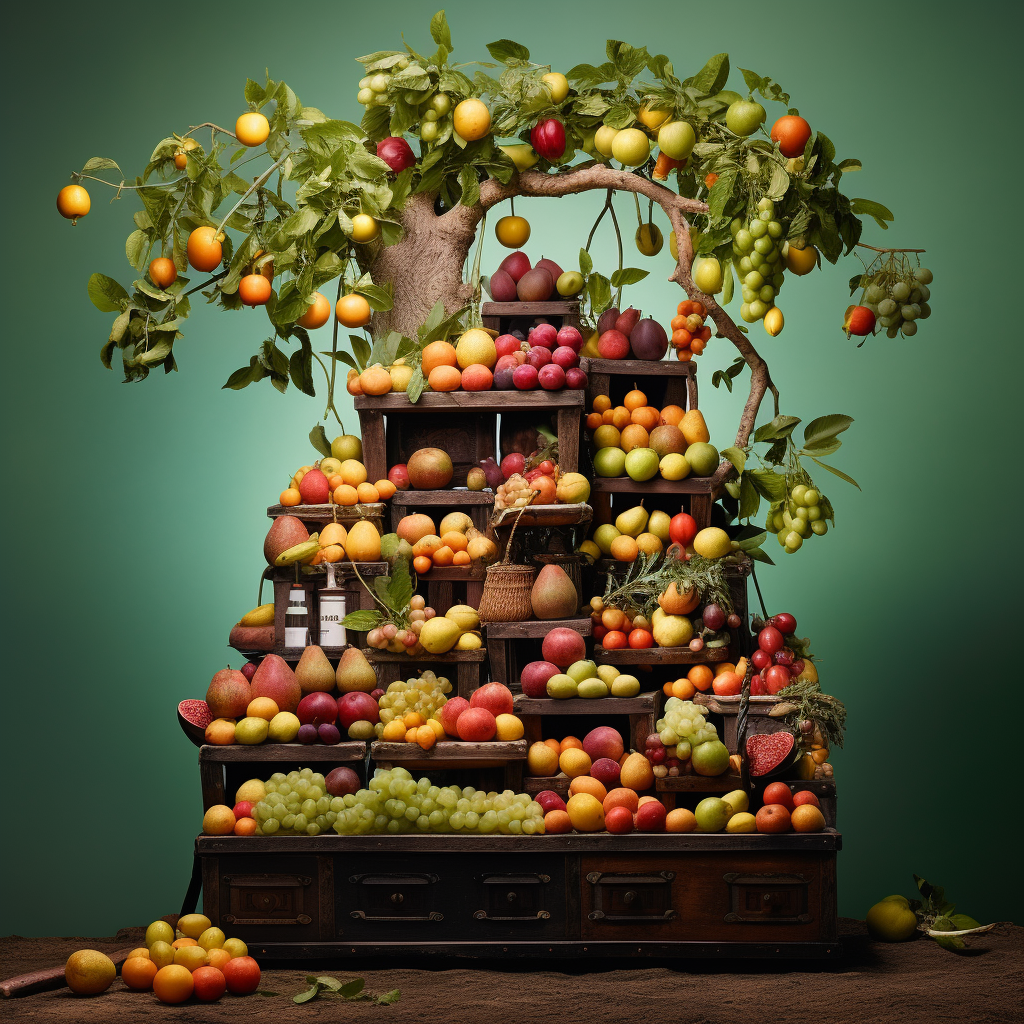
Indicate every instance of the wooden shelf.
{"type": "Point", "coordinates": [342, 570]}
{"type": "Point", "coordinates": [641, 704]}
{"type": "Point", "coordinates": [347, 750]}
{"type": "Point", "coordinates": [326, 513]}
{"type": "Point", "coordinates": [660, 656]}
{"type": "Point", "coordinates": [479, 401]}
{"type": "Point", "coordinates": [451, 496]}
{"type": "Point", "coordinates": [452, 657]}
{"type": "Point", "coordinates": [556, 307]}
{"type": "Point", "coordinates": [545, 515]}
{"type": "Point", "coordinates": [535, 628]}
{"type": "Point", "coordinates": [452, 574]}
{"type": "Point", "coordinates": [639, 367]}
{"type": "Point", "coordinates": [539, 783]}
{"type": "Point", "coordinates": [450, 752]}
{"type": "Point", "coordinates": [658, 485]}
{"type": "Point", "coordinates": [731, 705]}
{"type": "Point", "coordinates": [699, 783]}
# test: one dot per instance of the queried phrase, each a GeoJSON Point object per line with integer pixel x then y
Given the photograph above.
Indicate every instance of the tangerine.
{"type": "Point", "coordinates": [254, 290]}
{"type": "Point", "coordinates": [477, 377]}
{"type": "Point", "coordinates": [437, 353]}
{"type": "Point", "coordinates": [73, 202]}
{"type": "Point", "coordinates": [374, 380]}
{"type": "Point", "coordinates": [204, 250]}
{"type": "Point", "coordinates": [353, 310]}
{"type": "Point", "coordinates": [672, 415]}
{"type": "Point", "coordinates": [346, 494]}
{"type": "Point", "coordinates": [601, 403]}
{"type": "Point", "coordinates": [318, 314]}
{"type": "Point", "coordinates": [367, 493]}
{"type": "Point", "coordinates": [138, 972]}
{"type": "Point", "coordinates": [252, 128]}
{"type": "Point", "coordinates": [635, 399]}
{"type": "Point", "coordinates": [569, 743]}
{"type": "Point", "coordinates": [422, 564]}
{"type": "Point", "coordinates": [701, 677]}
{"type": "Point", "coordinates": [386, 489]}
{"type": "Point", "coordinates": [173, 984]}
{"type": "Point", "coordinates": [162, 272]}
{"type": "Point", "coordinates": [444, 378]}
{"type": "Point", "coordinates": [585, 784]}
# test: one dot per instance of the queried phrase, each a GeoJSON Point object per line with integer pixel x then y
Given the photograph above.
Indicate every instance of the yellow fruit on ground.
{"type": "Point", "coordinates": [211, 938]}
{"type": "Point", "coordinates": [509, 728]}
{"type": "Point", "coordinates": [712, 542]}
{"type": "Point", "coordinates": [541, 759]}
{"type": "Point", "coordinates": [89, 972]}
{"type": "Point", "coordinates": [173, 984]}
{"type": "Point", "coordinates": [892, 920]}
{"type": "Point", "coordinates": [694, 428]}
{"type": "Point", "coordinates": [193, 925]}
{"type": "Point", "coordinates": [159, 931]}
{"type": "Point", "coordinates": [574, 761]}
{"type": "Point", "coordinates": [471, 119]}
{"type": "Point", "coordinates": [137, 972]}
{"type": "Point", "coordinates": [585, 812]}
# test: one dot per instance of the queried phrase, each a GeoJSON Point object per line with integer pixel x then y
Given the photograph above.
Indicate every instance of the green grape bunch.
{"type": "Point", "coordinates": [896, 292]}
{"type": "Point", "coordinates": [802, 514]}
{"type": "Point", "coordinates": [425, 695]}
{"type": "Point", "coordinates": [757, 245]}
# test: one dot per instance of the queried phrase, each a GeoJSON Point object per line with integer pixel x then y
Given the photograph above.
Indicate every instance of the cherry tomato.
{"type": "Point", "coordinates": [784, 622]}
{"type": "Point", "coordinates": [770, 640]}
{"type": "Point", "coordinates": [761, 659]}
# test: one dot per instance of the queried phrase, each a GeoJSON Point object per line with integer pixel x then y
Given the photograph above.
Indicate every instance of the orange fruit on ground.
{"type": "Point", "coordinates": [541, 759]}
{"type": "Point", "coordinates": [585, 812]}
{"type": "Point", "coordinates": [443, 556]}
{"type": "Point", "coordinates": [254, 290]}
{"type": "Point", "coordinates": [701, 677]}
{"type": "Point", "coordinates": [680, 819]}
{"type": "Point", "coordinates": [73, 202]}
{"type": "Point", "coordinates": [477, 377]}
{"type": "Point", "coordinates": [807, 818]}
{"type": "Point", "coordinates": [219, 957]}
{"type": "Point", "coordinates": [318, 313]}
{"type": "Point", "coordinates": [574, 762]}
{"type": "Point", "coordinates": [374, 380]}
{"type": "Point", "coordinates": [346, 494]}
{"type": "Point", "coordinates": [219, 820]}
{"type": "Point", "coordinates": [138, 972]}
{"type": "Point", "coordinates": [462, 558]}
{"type": "Point", "coordinates": [585, 784]}
{"type": "Point", "coordinates": [557, 822]}
{"type": "Point", "coordinates": [203, 250]}
{"type": "Point", "coordinates": [386, 489]}
{"type": "Point", "coordinates": [184, 942]}
{"type": "Point", "coordinates": [621, 417]}
{"type": "Point", "coordinates": [634, 436]}
{"type": "Point", "coordinates": [367, 493]}
{"type": "Point", "coordinates": [354, 311]}
{"type": "Point", "coordinates": [672, 415]}
{"type": "Point", "coordinates": [635, 399]}
{"type": "Point", "coordinates": [422, 564]}
{"type": "Point", "coordinates": [192, 957]}
{"type": "Point", "coordinates": [89, 972]}
{"type": "Point", "coordinates": [621, 797]}
{"type": "Point", "coordinates": [444, 378]}
{"type": "Point", "coordinates": [162, 272]}
{"type": "Point", "coordinates": [208, 984]}
{"type": "Point", "coordinates": [601, 403]}
{"type": "Point", "coordinates": [437, 353]}
{"type": "Point", "coordinates": [625, 548]}
{"type": "Point", "coordinates": [252, 128]}
{"type": "Point", "coordinates": [636, 773]}
{"type": "Point", "coordinates": [455, 540]}
{"type": "Point", "coordinates": [570, 743]}
{"type": "Point", "coordinates": [173, 984]}
{"type": "Point", "coordinates": [646, 417]}
{"type": "Point", "coordinates": [245, 827]}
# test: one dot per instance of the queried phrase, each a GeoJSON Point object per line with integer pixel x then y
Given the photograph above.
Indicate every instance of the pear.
{"type": "Point", "coordinates": [314, 671]}
{"type": "Point", "coordinates": [632, 521]}
{"type": "Point", "coordinates": [284, 533]}
{"type": "Point", "coordinates": [355, 672]}
{"type": "Point", "coordinates": [554, 594]}
{"type": "Point", "coordinates": [658, 525]}
{"type": "Point", "coordinates": [276, 680]}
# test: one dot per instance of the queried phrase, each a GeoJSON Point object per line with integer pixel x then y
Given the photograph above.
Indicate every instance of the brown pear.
{"type": "Point", "coordinates": [355, 672]}
{"type": "Point", "coordinates": [285, 532]}
{"type": "Point", "coordinates": [314, 671]}
{"type": "Point", "coordinates": [554, 594]}
{"type": "Point", "coordinates": [276, 680]}
{"type": "Point", "coordinates": [228, 694]}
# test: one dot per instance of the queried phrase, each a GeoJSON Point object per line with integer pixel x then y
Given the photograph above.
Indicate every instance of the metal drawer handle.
{"type": "Point", "coordinates": [600, 915]}
{"type": "Point", "coordinates": [541, 915]}
{"type": "Point", "coordinates": [397, 897]}
{"type": "Point", "coordinates": [434, 915]}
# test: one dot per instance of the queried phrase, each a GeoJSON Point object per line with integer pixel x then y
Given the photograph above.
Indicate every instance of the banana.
{"type": "Point", "coordinates": [262, 616]}
{"type": "Point", "coordinates": [304, 552]}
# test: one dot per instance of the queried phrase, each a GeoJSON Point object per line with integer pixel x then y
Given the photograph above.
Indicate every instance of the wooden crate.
{"type": "Point", "coordinates": [505, 317]}
{"type": "Point", "coordinates": [511, 645]}
{"type": "Point", "coordinates": [691, 895]}
{"type": "Point", "coordinates": [436, 504]}
{"type": "Point", "coordinates": [467, 667]}
{"type": "Point", "coordinates": [444, 586]}
{"type": "Point", "coordinates": [316, 517]}
{"type": "Point", "coordinates": [494, 764]}
{"type": "Point", "coordinates": [641, 712]}
{"type": "Point", "coordinates": [664, 382]}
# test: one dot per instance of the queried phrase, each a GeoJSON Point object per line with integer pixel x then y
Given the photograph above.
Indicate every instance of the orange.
{"type": "Point", "coordinates": [386, 489]}
{"type": "Point", "coordinates": [444, 378]}
{"type": "Point", "coordinates": [683, 689]}
{"type": "Point", "coordinates": [254, 290]}
{"type": "Point", "coordinates": [635, 399]}
{"type": "Point", "coordinates": [574, 762]}
{"type": "Point", "coordinates": [569, 743]}
{"type": "Point", "coordinates": [724, 666]}
{"type": "Point", "coordinates": [554, 744]}
{"type": "Point", "coordinates": [680, 819]}
{"type": "Point", "coordinates": [634, 436]}
{"type": "Point", "coordinates": [607, 416]}
{"type": "Point", "coordinates": [585, 812]}
{"type": "Point", "coordinates": [646, 416]}
{"type": "Point", "coordinates": [219, 820]}
{"type": "Point", "coordinates": [245, 827]}
{"type": "Point", "coordinates": [262, 707]}
{"type": "Point", "coordinates": [138, 972]}
{"type": "Point", "coordinates": [346, 494]}
{"type": "Point", "coordinates": [601, 403]}
{"type": "Point", "coordinates": [427, 545]}
{"type": "Point", "coordinates": [700, 676]}
{"type": "Point", "coordinates": [462, 558]}
{"type": "Point", "coordinates": [184, 942]}
{"type": "Point", "coordinates": [219, 957]}
{"type": "Point", "coordinates": [426, 737]}
{"type": "Point", "coordinates": [367, 493]}
{"type": "Point", "coordinates": [173, 984]}
{"type": "Point", "coordinates": [437, 353]}
{"type": "Point", "coordinates": [252, 128]}
{"type": "Point", "coordinates": [477, 377]}
{"type": "Point", "coordinates": [696, 346]}
{"type": "Point", "coordinates": [73, 202]}
{"type": "Point", "coordinates": [672, 414]}
{"type": "Point", "coordinates": [585, 784]}
{"type": "Point", "coordinates": [318, 313]}
{"type": "Point", "coordinates": [455, 540]}
{"type": "Point", "coordinates": [204, 250]}
{"type": "Point", "coordinates": [621, 417]}
{"type": "Point", "coordinates": [625, 548]}
{"type": "Point", "coordinates": [208, 984]}
{"type": "Point", "coordinates": [613, 618]}
{"type": "Point", "coordinates": [413, 720]}
{"type": "Point", "coordinates": [354, 311]}
{"type": "Point", "coordinates": [557, 822]}
{"type": "Point", "coordinates": [162, 272]}
{"type": "Point", "coordinates": [375, 380]}
{"type": "Point", "coordinates": [621, 798]}
{"type": "Point", "coordinates": [791, 132]}
{"type": "Point", "coordinates": [541, 759]}
{"type": "Point", "coordinates": [352, 385]}
{"type": "Point", "coordinates": [422, 564]}
{"type": "Point", "coordinates": [471, 119]}
{"type": "Point", "coordinates": [443, 556]}
{"type": "Point", "coordinates": [335, 481]}
{"type": "Point", "coordinates": [220, 732]}
{"type": "Point", "coordinates": [594, 420]}
{"type": "Point", "coordinates": [290, 496]}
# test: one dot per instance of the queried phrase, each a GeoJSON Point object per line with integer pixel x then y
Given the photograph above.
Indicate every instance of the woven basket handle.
{"type": "Point", "coordinates": [508, 547]}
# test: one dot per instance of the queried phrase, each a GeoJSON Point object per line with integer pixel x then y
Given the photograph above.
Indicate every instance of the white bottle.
{"type": "Point", "coordinates": [296, 618]}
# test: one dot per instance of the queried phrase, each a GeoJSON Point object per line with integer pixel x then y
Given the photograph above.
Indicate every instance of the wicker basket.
{"type": "Point", "coordinates": [507, 588]}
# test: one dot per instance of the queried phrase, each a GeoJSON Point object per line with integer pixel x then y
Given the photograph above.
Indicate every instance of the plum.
{"type": "Point", "coordinates": [502, 287]}
{"type": "Point", "coordinates": [535, 285]}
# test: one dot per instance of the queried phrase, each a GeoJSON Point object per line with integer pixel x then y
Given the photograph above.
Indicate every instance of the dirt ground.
{"type": "Point", "coordinates": [874, 983]}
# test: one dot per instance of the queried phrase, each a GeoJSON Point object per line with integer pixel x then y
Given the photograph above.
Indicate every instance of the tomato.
{"type": "Point", "coordinates": [744, 117]}
{"type": "Point", "coordinates": [162, 272]}
{"type": "Point", "coordinates": [791, 132]}
{"type": "Point", "coordinates": [254, 289]}
{"type": "Point", "coordinates": [73, 202]}
{"type": "Point", "coordinates": [676, 139]}
{"type": "Point", "coordinates": [558, 85]}
{"type": "Point", "coordinates": [761, 659]}
{"type": "Point", "coordinates": [631, 147]}
{"type": "Point", "coordinates": [548, 138]}
{"type": "Point", "coordinates": [682, 528]}
{"type": "Point", "coordinates": [778, 677]}
{"type": "Point", "coordinates": [252, 129]}
{"type": "Point", "coordinates": [770, 640]}
{"type": "Point", "coordinates": [512, 232]}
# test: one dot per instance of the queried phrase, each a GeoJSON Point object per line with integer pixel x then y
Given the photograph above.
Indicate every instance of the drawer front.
{"type": "Point", "coordinates": [278, 905]}
{"type": "Point", "coordinates": [517, 898]}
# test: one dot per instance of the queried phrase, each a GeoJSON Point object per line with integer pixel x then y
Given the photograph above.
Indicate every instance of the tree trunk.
{"type": "Point", "coordinates": [426, 265]}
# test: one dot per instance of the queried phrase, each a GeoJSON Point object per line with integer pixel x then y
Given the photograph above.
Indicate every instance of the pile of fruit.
{"type": "Point", "coordinates": [192, 959]}
{"type": "Point", "coordinates": [640, 441]}
{"type": "Point", "coordinates": [453, 541]}
{"type": "Point", "coordinates": [724, 679]}
{"type": "Point", "coordinates": [802, 514]}
{"type": "Point", "coordinates": [781, 657]}
{"type": "Point", "coordinates": [458, 629]}
{"type": "Point", "coordinates": [288, 542]}
{"type": "Point", "coordinates": [487, 715]}
{"type": "Point", "coordinates": [340, 478]}
{"type": "Point", "coordinates": [757, 245]}
{"type": "Point", "coordinates": [516, 280]}
{"type": "Point", "coordinates": [782, 811]}
{"type": "Point", "coordinates": [303, 802]}
{"type": "Point", "coordinates": [395, 802]}
{"type": "Point", "coordinates": [624, 335]}
{"type": "Point", "coordinates": [547, 357]}
{"type": "Point", "coordinates": [519, 481]}
{"type": "Point", "coordinates": [686, 737]}
{"type": "Point", "coordinates": [895, 296]}
{"type": "Point", "coordinates": [690, 333]}
{"type": "Point", "coordinates": [565, 671]}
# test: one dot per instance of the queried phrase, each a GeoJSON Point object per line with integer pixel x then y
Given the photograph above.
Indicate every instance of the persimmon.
{"type": "Point", "coordinates": [73, 202]}
{"type": "Point", "coordinates": [252, 129]}
{"type": "Point", "coordinates": [204, 250]}
{"type": "Point", "coordinates": [791, 132]}
{"type": "Point", "coordinates": [352, 310]}
{"type": "Point", "coordinates": [162, 272]}
{"type": "Point", "coordinates": [254, 289]}
{"type": "Point", "coordinates": [318, 313]}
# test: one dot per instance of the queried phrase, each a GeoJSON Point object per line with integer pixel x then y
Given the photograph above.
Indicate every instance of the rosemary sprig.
{"type": "Point", "coordinates": [650, 575]}
{"type": "Point", "coordinates": [823, 708]}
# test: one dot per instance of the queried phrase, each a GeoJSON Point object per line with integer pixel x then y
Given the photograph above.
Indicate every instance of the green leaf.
{"type": "Point", "coordinates": [304, 997]}
{"type": "Point", "coordinates": [106, 294]}
{"type": "Point", "coordinates": [380, 299]}
{"type": "Point", "coordinates": [780, 426]}
{"type": "Point", "coordinates": [778, 182]}
{"type": "Point", "coordinates": [769, 484]}
{"type": "Point", "coordinates": [100, 163]}
{"type": "Point", "coordinates": [157, 354]}
{"type": "Point", "coordinates": [712, 77]}
{"type": "Point", "coordinates": [826, 427]}
{"type": "Point", "coordinates": [838, 472]}
{"type": "Point", "coordinates": [254, 92]}
{"type": "Point", "coordinates": [951, 942]}
{"type": "Point", "coordinates": [721, 193]}
{"type": "Point", "coordinates": [721, 377]}
{"type": "Point", "coordinates": [417, 382]}
{"type": "Point", "coordinates": [352, 988]}
{"type": "Point", "coordinates": [600, 291]}
{"type": "Point", "coordinates": [825, 447]}
{"type": "Point", "coordinates": [872, 209]}
{"type": "Point", "coordinates": [751, 538]}
{"type": "Point", "coordinates": [318, 439]}
{"type": "Point", "coordinates": [363, 621]}
{"type": "Point", "coordinates": [628, 275]}
{"type": "Point", "coordinates": [736, 456]}
{"type": "Point", "coordinates": [246, 375]}
{"type": "Point", "coordinates": [135, 248]}
{"type": "Point", "coordinates": [962, 921]}
{"type": "Point", "coordinates": [848, 166]}
{"type": "Point", "coordinates": [440, 32]}
{"type": "Point", "coordinates": [384, 351]}
{"type": "Point", "coordinates": [750, 499]}
{"type": "Point", "coordinates": [759, 555]}
{"type": "Point", "coordinates": [586, 263]}
{"type": "Point", "coordinates": [327, 982]}
{"type": "Point", "coordinates": [389, 998]}
{"type": "Point", "coordinates": [505, 50]}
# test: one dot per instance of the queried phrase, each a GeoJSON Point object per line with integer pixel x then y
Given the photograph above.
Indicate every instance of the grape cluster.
{"type": "Point", "coordinates": [898, 298]}
{"type": "Point", "coordinates": [757, 246]}
{"type": "Point", "coordinates": [684, 727]}
{"type": "Point", "coordinates": [802, 515]}
{"type": "Point", "coordinates": [296, 804]}
{"type": "Point", "coordinates": [390, 637]}
{"type": "Point", "coordinates": [515, 492]}
{"type": "Point", "coordinates": [396, 802]}
{"type": "Point", "coordinates": [424, 695]}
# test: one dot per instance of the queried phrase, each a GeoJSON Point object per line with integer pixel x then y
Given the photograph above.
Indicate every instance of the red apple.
{"type": "Point", "coordinates": [570, 337]}
{"type": "Point", "coordinates": [496, 697]}
{"type": "Point", "coordinates": [514, 462]}
{"type": "Point", "coordinates": [505, 344]}
{"type": "Point", "coordinates": [565, 357]}
{"type": "Point", "coordinates": [357, 707]}
{"type": "Point", "coordinates": [682, 528]}
{"type": "Point", "coordinates": [779, 793]}
{"type": "Point", "coordinates": [515, 264]}
{"type": "Point", "coordinates": [773, 818]}
{"type": "Point", "coordinates": [317, 708]}
{"type": "Point", "coordinates": [525, 377]}
{"type": "Point", "coordinates": [804, 796]}
{"type": "Point", "coordinates": [859, 320]}
{"type": "Point", "coordinates": [314, 488]}
{"type": "Point", "coordinates": [449, 713]}
{"type": "Point", "coordinates": [777, 678]}
{"type": "Point", "coordinates": [613, 345]}
{"type": "Point", "coordinates": [548, 138]}
{"type": "Point", "coordinates": [563, 646]}
{"type": "Point", "coordinates": [551, 377]}
{"type": "Point", "coordinates": [534, 678]}
{"type": "Point", "coordinates": [396, 153]}
{"type": "Point", "coordinates": [650, 817]}
{"type": "Point", "coordinates": [618, 820]}
{"type": "Point", "coordinates": [476, 725]}
{"type": "Point", "coordinates": [604, 742]}
{"type": "Point", "coordinates": [550, 800]}
{"type": "Point", "coordinates": [544, 335]}
{"type": "Point", "coordinates": [399, 476]}
{"type": "Point", "coordinates": [606, 771]}
{"type": "Point", "coordinates": [576, 379]}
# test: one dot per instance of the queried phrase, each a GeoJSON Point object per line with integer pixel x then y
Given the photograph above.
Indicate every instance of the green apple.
{"type": "Point", "coordinates": [625, 686]}
{"type": "Point", "coordinates": [347, 446]}
{"type": "Point", "coordinates": [703, 458]}
{"type": "Point", "coordinates": [640, 464]}
{"type": "Point", "coordinates": [610, 461]}
{"type": "Point", "coordinates": [580, 670]}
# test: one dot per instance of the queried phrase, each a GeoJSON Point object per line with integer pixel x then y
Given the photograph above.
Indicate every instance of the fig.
{"type": "Point", "coordinates": [606, 321]}
{"type": "Point", "coordinates": [535, 285]}
{"type": "Point", "coordinates": [648, 340]}
{"type": "Point", "coordinates": [502, 287]}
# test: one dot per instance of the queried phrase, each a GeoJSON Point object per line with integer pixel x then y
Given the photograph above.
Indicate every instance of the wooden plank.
{"type": "Point", "coordinates": [699, 783]}
{"type": "Point", "coordinates": [480, 401]}
{"type": "Point", "coordinates": [568, 430]}
{"type": "Point", "coordinates": [449, 750]}
{"type": "Point", "coordinates": [345, 514]}
{"type": "Point", "coordinates": [371, 426]}
{"type": "Point", "coordinates": [347, 750]}
{"type": "Point", "coordinates": [661, 656]}
{"type": "Point", "coordinates": [545, 515]}
{"type": "Point", "coordinates": [373, 655]}
{"type": "Point", "coordinates": [642, 704]}
{"type": "Point", "coordinates": [637, 368]}
{"type": "Point", "coordinates": [535, 628]}
{"type": "Point", "coordinates": [407, 499]}
{"type": "Point", "coordinates": [657, 485]}
{"type": "Point", "coordinates": [540, 783]}
{"type": "Point", "coordinates": [731, 705]}
{"type": "Point", "coordinates": [452, 574]}
{"type": "Point", "coordinates": [558, 307]}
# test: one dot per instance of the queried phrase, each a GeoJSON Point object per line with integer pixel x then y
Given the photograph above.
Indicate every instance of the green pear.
{"type": "Point", "coordinates": [625, 686]}
{"type": "Point", "coordinates": [355, 672]}
{"type": "Point", "coordinates": [580, 670]}
{"type": "Point", "coordinates": [603, 537]}
{"type": "Point", "coordinates": [632, 521]}
{"type": "Point", "coordinates": [562, 687]}
{"type": "Point", "coordinates": [658, 525]}
{"type": "Point", "coordinates": [591, 688]}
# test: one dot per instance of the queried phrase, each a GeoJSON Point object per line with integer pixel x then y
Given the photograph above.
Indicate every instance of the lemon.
{"type": "Point", "coordinates": [674, 466]}
{"type": "Point", "coordinates": [159, 931]}
{"type": "Point", "coordinates": [892, 920]}
{"type": "Point", "coordinates": [89, 972]}
{"type": "Point", "coordinates": [193, 925]}
{"type": "Point", "coordinates": [712, 542]}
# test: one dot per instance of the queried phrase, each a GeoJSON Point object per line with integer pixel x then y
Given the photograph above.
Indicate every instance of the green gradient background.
{"type": "Point", "coordinates": [134, 515]}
